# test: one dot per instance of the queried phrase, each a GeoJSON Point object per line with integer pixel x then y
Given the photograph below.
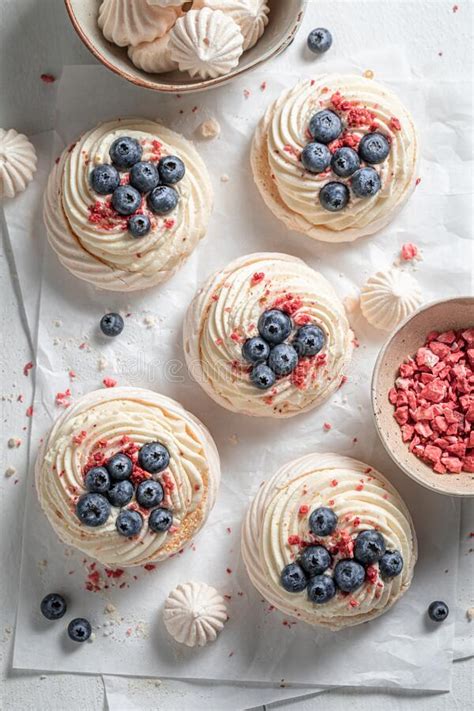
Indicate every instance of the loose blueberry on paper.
{"type": "Point", "coordinates": [111, 325]}
{"type": "Point", "coordinates": [145, 179]}
{"type": "Point", "coordinates": [321, 571]}
{"type": "Point", "coordinates": [112, 485]}
{"type": "Point", "coordinates": [53, 606]}
{"type": "Point", "coordinates": [319, 40]}
{"type": "Point", "coordinates": [438, 611]}
{"type": "Point", "coordinates": [270, 353]}
{"type": "Point", "coordinates": [79, 629]}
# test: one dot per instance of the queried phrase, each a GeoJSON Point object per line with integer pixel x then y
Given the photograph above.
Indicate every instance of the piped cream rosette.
{"type": "Point", "coordinates": [292, 193]}
{"type": "Point", "coordinates": [103, 423]}
{"type": "Point", "coordinates": [225, 312]}
{"type": "Point", "coordinates": [92, 241]}
{"type": "Point", "coordinates": [277, 524]}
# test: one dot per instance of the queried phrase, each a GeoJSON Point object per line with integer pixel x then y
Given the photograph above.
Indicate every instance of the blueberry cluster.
{"type": "Point", "coordinates": [271, 356]}
{"type": "Point", "coordinates": [326, 126]}
{"type": "Point", "coordinates": [110, 485]}
{"type": "Point", "coordinates": [53, 607]}
{"type": "Point", "coordinates": [155, 180]}
{"type": "Point", "coordinates": [310, 570]}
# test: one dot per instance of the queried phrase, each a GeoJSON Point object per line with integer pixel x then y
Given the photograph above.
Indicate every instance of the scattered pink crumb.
{"type": "Point", "coordinates": [29, 411]}
{"type": "Point", "coordinates": [246, 93]}
{"type": "Point", "coordinates": [109, 382]}
{"type": "Point", "coordinates": [27, 367]}
{"type": "Point", "coordinates": [72, 375]}
{"type": "Point", "coordinates": [455, 8]}
{"type": "Point", "coordinates": [63, 399]}
{"type": "Point", "coordinates": [327, 426]}
{"type": "Point", "coordinates": [409, 251]}
{"type": "Point", "coordinates": [418, 180]}
{"type": "Point", "coordinates": [263, 85]}
{"type": "Point", "coordinates": [48, 78]}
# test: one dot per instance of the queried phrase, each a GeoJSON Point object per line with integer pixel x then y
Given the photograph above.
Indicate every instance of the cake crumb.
{"type": "Point", "coordinates": [225, 178]}
{"type": "Point", "coordinates": [102, 363]}
{"type": "Point", "coordinates": [210, 128]}
{"type": "Point", "coordinates": [149, 321]}
{"type": "Point", "coordinates": [14, 443]}
{"type": "Point", "coordinates": [470, 614]}
{"type": "Point", "coordinates": [10, 471]}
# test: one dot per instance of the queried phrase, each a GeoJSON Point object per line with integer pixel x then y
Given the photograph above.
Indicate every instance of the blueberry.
{"type": "Point", "coordinates": [315, 560]}
{"type": "Point", "coordinates": [365, 182]}
{"type": "Point", "coordinates": [349, 575]}
{"type": "Point", "coordinates": [92, 509]}
{"type": "Point", "coordinates": [390, 564]}
{"type": "Point", "coordinates": [126, 200]}
{"type": "Point", "coordinates": [153, 457]}
{"type": "Point", "coordinates": [149, 493]}
{"type": "Point", "coordinates": [345, 161]}
{"type": "Point", "coordinates": [274, 326]}
{"type": "Point", "coordinates": [369, 547]}
{"type": "Point", "coordinates": [53, 606]}
{"type": "Point", "coordinates": [144, 177]}
{"type": "Point", "coordinates": [160, 520]}
{"type": "Point", "coordinates": [325, 126]}
{"type": "Point", "coordinates": [334, 196]}
{"type": "Point", "coordinates": [163, 199]}
{"type": "Point", "coordinates": [125, 152]}
{"type": "Point", "coordinates": [97, 479]}
{"type": "Point", "coordinates": [79, 629]}
{"type": "Point", "coordinates": [255, 350]}
{"type": "Point", "coordinates": [129, 523]}
{"type": "Point", "coordinates": [262, 377]}
{"type": "Point", "coordinates": [293, 578]}
{"type": "Point", "coordinates": [316, 157]}
{"type": "Point", "coordinates": [139, 225]}
{"type": "Point", "coordinates": [309, 340]}
{"type": "Point", "coordinates": [111, 324]}
{"type": "Point", "coordinates": [119, 467]}
{"type": "Point", "coordinates": [322, 521]}
{"type": "Point", "coordinates": [374, 148]}
{"type": "Point", "coordinates": [438, 611]}
{"type": "Point", "coordinates": [171, 170]}
{"type": "Point", "coordinates": [319, 40]}
{"type": "Point", "coordinates": [283, 359]}
{"type": "Point", "coordinates": [321, 589]}
{"type": "Point", "coordinates": [104, 179]}
{"type": "Point", "coordinates": [120, 493]}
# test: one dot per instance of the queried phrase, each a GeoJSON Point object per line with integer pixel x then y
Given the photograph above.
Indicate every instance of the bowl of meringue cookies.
{"type": "Point", "coordinates": [183, 46]}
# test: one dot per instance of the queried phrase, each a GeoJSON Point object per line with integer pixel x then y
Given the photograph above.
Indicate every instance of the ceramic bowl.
{"type": "Point", "coordinates": [440, 316]}
{"type": "Point", "coordinates": [284, 20]}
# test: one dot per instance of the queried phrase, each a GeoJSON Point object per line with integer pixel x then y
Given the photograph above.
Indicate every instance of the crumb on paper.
{"type": "Point", "coordinates": [109, 382]}
{"type": "Point", "coordinates": [225, 178]}
{"type": "Point", "coordinates": [470, 614]}
{"type": "Point", "coordinates": [369, 74]}
{"type": "Point", "coordinates": [57, 323]}
{"type": "Point", "coordinates": [409, 252]}
{"type": "Point", "coordinates": [327, 427]}
{"type": "Point", "coordinates": [48, 78]}
{"type": "Point", "coordinates": [14, 443]}
{"type": "Point", "coordinates": [149, 321]}
{"type": "Point", "coordinates": [210, 128]}
{"type": "Point", "coordinates": [10, 471]}
{"type": "Point", "coordinates": [102, 363]}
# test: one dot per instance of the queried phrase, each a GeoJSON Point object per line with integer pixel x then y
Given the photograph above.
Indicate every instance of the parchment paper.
{"type": "Point", "coordinates": [395, 651]}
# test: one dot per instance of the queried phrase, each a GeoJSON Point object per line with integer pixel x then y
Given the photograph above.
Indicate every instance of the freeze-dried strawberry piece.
{"type": "Point", "coordinates": [468, 336]}
{"type": "Point", "coordinates": [423, 429]}
{"type": "Point", "coordinates": [470, 414]}
{"type": "Point", "coordinates": [440, 424]}
{"type": "Point", "coordinates": [401, 415]}
{"type": "Point", "coordinates": [434, 391]}
{"type": "Point", "coordinates": [407, 432]}
{"type": "Point", "coordinates": [458, 449]}
{"type": "Point", "coordinates": [426, 357]}
{"type": "Point", "coordinates": [468, 463]}
{"type": "Point", "coordinates": [447, 337]}
{"type": "Point", "coordinates": [432, 453]}
{"type": "Point", "coordinates": [453, 464]}
{"type": "Point", "coordinates": [402, 399]}
{"type": "Point", "coordinates": [407, 370]}
{"type": "Point", "coordinates": [440, 349]}
{"type": "Point", "coordinates": [439, 468]}
{"type": "Point", "coordinates": [392, 396]}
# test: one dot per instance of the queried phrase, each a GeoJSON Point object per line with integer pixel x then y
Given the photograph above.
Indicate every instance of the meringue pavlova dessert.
{"type": "Point", "coordinates": [329, 541]}
{"type": "Point", "coordinates": [205, 38]}
{"type": "Point", "coordinates": [267, 336]}
{"type": "Point", "coordinates": [335, 157]}
{"type": "Point", "coordinates": [127, 476]}
{"type": "Point", "coordinates": [127, 204]}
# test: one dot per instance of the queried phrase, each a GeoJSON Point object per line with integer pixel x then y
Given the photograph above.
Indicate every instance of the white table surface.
{"type": "Point", "coordinates": [36, 37]}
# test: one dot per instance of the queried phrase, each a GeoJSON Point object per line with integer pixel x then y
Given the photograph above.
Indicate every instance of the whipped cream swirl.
{"type": "Point", "coordinates": [92, 241]}
{"type": "Point", "coordinates": [101, 422]}
{"type": "Point", "coordinates": [225, 312]}
{"type": "Point", "coordinates": [362, 499]}
{"type": "Point", "coordinates": [292, 193]}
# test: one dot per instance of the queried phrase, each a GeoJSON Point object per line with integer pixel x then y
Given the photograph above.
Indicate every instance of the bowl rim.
{"type": "Point", "coordinates": [204, 84]}
{"type": "Point", "coordinates": [373, 396]}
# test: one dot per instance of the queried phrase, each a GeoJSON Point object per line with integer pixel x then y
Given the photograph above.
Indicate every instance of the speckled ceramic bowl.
{"type": "Point", "coordinates": [440, 316]}
{"type": "Point", "coordinates": [284, 20]}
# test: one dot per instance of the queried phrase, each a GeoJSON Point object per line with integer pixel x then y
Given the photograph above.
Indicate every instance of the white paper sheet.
{"type": "Point", "coordinates": [394, 647]}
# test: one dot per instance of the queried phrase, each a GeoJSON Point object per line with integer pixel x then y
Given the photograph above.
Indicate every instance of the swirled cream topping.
{"type": "Point", "coordinates": [93, 241]}
{"type": "Point", "coordinates": [276, 530]}
{"type": "Point", "coordinates": [123, 419]}
{"type": "Point", "coordinates": [225, 312]}
{"type": "Point", "coordinates": [292, 193]}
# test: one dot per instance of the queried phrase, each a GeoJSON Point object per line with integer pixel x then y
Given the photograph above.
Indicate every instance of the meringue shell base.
{"type": "Point", "coordinates": [362, 498]}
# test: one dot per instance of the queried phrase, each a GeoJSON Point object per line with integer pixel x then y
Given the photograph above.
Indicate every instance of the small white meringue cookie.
{"type": "Point", "coordinates": [153, 57]}
{"type": "Point", "coordinates": [17, 162]}
{"type": "Point", "coordinates": [389, 297]}
{"type": "Point", "coordinates": [250, 15]}
{"type": "Point", "coordinates": [194, 614]}
{"type": "Point", "coordinates": [124, 22]}
{"type": "Point", "coordinates": [206, 43]}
